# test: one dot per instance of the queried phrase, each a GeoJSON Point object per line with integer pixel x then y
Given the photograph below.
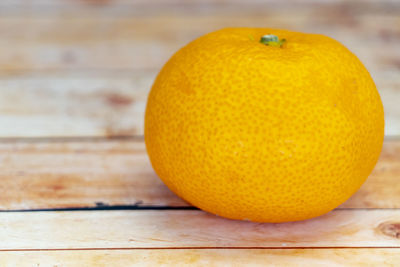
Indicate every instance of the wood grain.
{"type": "Point", "coordinates": [87, 173]}
{"type": "Point", "coordinates": [74, 53]}
{"type": "Point", "coordinates": [193, 229]}
{"type": "Point", "coordinates": [143, 39]}
{"type": "Point", "coordinates": [79, 174]}
{"type": "Point", "coordinates": [102, 103]}
{"type": "Point", "coordinates": [84, 68]}
{"type": "Point", "coordinates": [73, 104]}
{"type": "Point", "coordinates": [204, 257]}
{"type": "Point", "coordinates": [146, 35]}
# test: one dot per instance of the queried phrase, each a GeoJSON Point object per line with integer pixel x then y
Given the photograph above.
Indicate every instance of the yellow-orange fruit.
{"type": "Point", "coordinates": [267, 132]}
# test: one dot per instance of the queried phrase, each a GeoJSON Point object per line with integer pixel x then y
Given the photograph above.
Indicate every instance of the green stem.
{"type": "Point", "coordinates": [272, 40]}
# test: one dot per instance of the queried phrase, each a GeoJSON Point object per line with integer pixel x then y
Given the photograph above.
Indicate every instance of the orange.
{"type": "Point", "coordinates": [272, 131]}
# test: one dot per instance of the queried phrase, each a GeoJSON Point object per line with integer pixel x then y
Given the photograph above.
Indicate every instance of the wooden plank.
{"type": "Point", "coordinates": [204, 257]}
{"type": "Point", "coordinates": [79, 174]}
{"type": "Point", "coordinates": [145, 41]}
{"type": "Point", "coordinates": [146, 34]}
{"type": "Point", "coordinates": [103, 103]}
{"type": "Point", "coordinates": [62, 174]}
{"type": "Point", "coordinates": [193, 229]}
{"type": "Point", "coordinates": [73, 104]}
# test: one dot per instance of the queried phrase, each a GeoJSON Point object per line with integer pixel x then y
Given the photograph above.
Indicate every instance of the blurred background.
{"type": "Point", "coordinates": [84, 67]}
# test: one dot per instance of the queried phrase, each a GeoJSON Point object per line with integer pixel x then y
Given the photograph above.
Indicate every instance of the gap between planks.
{"type": "Point", "coordinates": [116, 138]}
{"type": "Point", "coordinates": [195, 248]}
{"type": "Point", "coordinates": [142, 208]}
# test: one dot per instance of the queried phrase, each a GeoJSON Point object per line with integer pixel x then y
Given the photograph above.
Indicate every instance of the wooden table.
{"type": "Point", "coordinates": [76, 186]}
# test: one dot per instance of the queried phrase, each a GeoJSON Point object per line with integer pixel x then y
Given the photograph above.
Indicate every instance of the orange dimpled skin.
{"type": "Point", "coordinates": [263, 132]}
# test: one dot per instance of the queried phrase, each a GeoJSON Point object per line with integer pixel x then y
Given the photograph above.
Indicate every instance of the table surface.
{"type": "Point", "coordinates": [77, 188]}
